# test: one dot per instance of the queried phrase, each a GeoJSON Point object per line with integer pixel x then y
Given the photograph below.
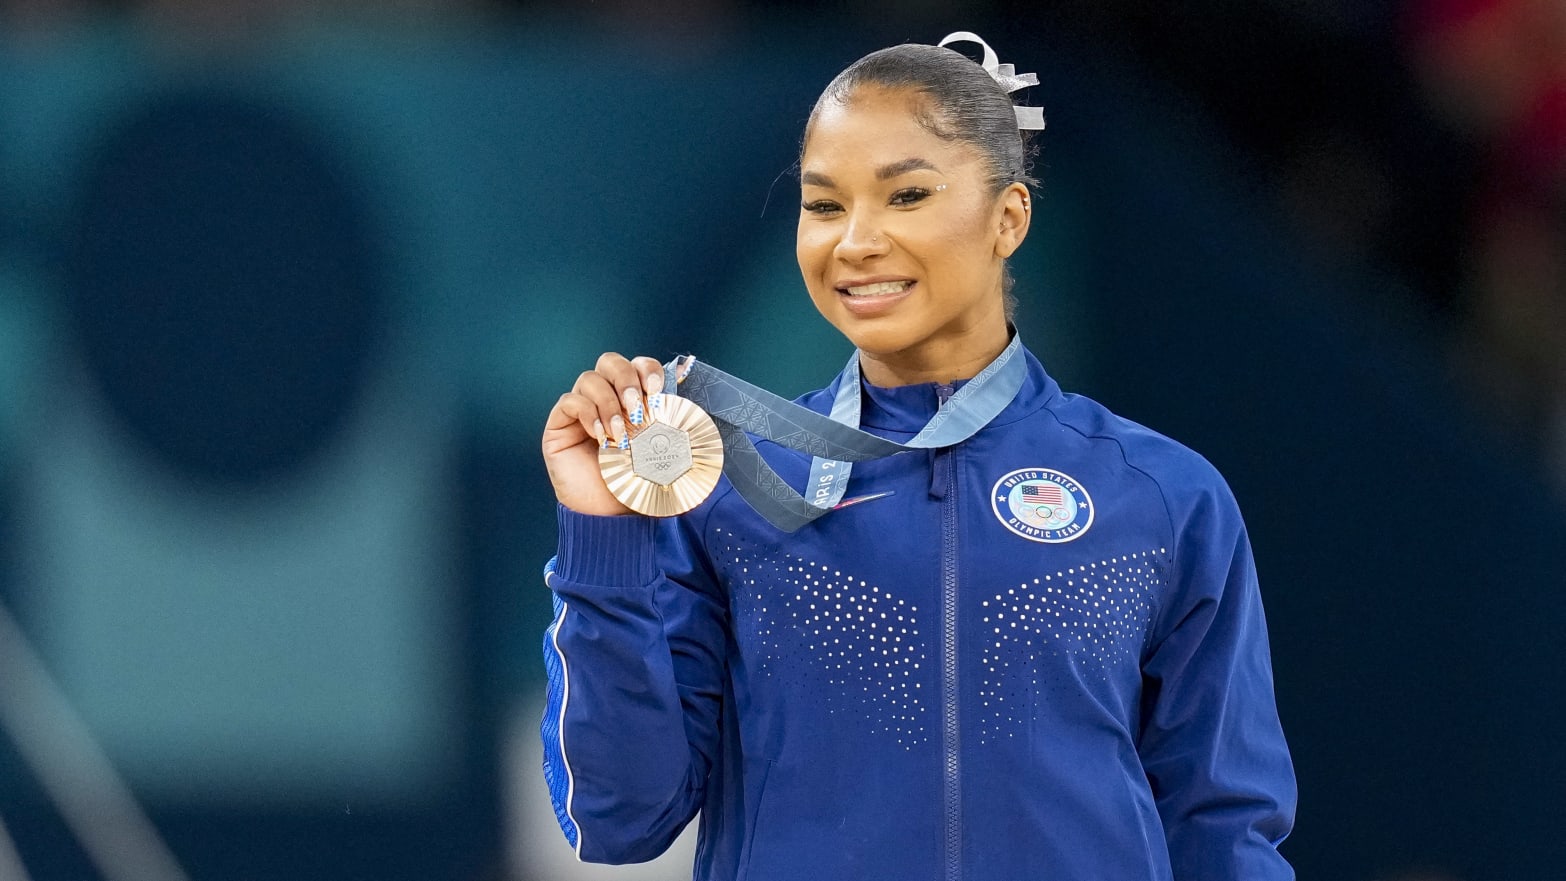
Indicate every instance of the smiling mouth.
{"type": "Point", "coordinates": [878, 289]}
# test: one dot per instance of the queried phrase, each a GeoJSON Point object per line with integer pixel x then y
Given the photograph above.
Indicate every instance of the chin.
{"type": "Point", "coordinates": [883, 336]}
{"type": "Point", "coordinates": [881, 341]}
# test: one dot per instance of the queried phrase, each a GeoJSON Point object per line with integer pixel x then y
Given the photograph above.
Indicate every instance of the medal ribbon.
{"type": "Point", "coordinates": [836, 442]}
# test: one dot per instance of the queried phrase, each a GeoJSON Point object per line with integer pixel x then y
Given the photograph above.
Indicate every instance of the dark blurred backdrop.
{"type": "Point", "coordinates": [287, 288]}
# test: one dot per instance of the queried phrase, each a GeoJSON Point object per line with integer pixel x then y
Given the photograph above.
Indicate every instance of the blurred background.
{"type": "Point", "coordinates": [286, 289]}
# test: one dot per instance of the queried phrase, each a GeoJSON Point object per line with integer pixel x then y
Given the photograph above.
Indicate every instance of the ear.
{"type": "Point", "coordinates": [1016, 212]}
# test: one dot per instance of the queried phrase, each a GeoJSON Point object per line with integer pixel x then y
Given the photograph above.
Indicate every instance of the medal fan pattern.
{"type": "Point", "coordinates": [693, 449]}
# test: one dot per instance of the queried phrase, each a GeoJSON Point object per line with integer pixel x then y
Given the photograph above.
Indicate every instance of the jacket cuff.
{"type": "Point", "coordinates": [616, 551]}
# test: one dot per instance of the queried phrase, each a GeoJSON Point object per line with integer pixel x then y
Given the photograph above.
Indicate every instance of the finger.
{"type": "Point", "coordinates": [577, 410]}
{"type": "Point", "coordinates": [606, 401]}
{"type": "Point", "coordinates": [627, 382]}
{"type": "Point", "coordinates": [651, 372]}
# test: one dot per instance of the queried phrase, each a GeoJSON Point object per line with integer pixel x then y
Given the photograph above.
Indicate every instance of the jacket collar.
{"type": "Point", "coordinates": [907, 408]}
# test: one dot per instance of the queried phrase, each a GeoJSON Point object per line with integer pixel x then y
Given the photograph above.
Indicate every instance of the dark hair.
{"type": "Point", "coordinates": [962, 102]}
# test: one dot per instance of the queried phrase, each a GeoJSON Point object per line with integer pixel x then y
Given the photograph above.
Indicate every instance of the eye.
{"type": "Point", "coordinates": [821, 206]}
{"type": "Point", "coordinates": [909, 195]}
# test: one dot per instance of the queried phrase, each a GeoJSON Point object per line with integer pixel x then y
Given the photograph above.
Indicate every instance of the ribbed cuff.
{"type": "Point", "coordinates": [606, 551]}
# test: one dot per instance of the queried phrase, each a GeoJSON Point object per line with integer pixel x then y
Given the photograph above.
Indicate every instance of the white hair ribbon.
{"type": "Point", "coordinates": [1030, 118]}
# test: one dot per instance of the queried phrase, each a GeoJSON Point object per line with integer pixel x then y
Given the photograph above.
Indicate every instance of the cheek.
{"type": "Point", "coordinates": [975, 226]}
{"type": "Point", "coordinates": [812, 248]}
{"type": "Point", "coordinates": [970, 240]}
{"type": "Point", "coordinates": [812, 253]}
{"type": "Point", "coordinates": [950, 248]}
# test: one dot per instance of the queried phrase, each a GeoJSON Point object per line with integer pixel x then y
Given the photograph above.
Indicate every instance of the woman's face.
{"type": "Point", "coordinates": [901, 241]}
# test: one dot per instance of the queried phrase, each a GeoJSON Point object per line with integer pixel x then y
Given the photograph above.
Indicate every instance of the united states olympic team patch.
{"type": "Point", "coordinates": [1042, 505]}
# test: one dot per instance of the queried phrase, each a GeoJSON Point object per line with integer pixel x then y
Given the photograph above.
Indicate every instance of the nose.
{"type": "Point", "coordinates": [861, 240]}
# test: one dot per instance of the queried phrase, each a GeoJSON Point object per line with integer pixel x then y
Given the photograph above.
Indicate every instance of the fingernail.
{"type": "Point", "coordinates": [617, 428]}
{"type": "Point", "coordinates": [598, 432]}
{"type": "Point", "coordinates": [632, 397]}
{"type": "Point", "coordinates": [638, 416]}
{"type": "Point", "coordinates": [683, 369]}
{"type": "Point", "coordinates": [655, 384]}
{"type": "Point", "coordinates": [655, 404]}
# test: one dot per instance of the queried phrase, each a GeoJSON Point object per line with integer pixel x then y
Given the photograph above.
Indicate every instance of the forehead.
{"type": "Point", "coordinates": [873, 126]}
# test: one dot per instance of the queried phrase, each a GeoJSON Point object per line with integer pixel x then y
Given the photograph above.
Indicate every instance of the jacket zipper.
{"type": "Point", "coordinates": [943, 483]}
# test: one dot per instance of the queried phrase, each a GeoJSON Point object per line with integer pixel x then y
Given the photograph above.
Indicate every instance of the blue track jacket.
{"type": "Point", "coordinates": [1041, 656]}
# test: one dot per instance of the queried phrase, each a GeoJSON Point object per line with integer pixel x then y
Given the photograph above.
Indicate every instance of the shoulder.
{"type": "Point", "coordinates": [1184, 477]}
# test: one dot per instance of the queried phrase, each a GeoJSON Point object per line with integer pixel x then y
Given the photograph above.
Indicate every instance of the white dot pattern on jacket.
{"type": "Point", "coordinates": [1096, 614]}
{"type": "Point", "coordinates": [863, 645]}
{"type": "Point", "coordinates": [862, 650]}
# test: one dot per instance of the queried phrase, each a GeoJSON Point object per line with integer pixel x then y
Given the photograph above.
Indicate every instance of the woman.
{"type": "Point", "coordinates": [1037, 652]}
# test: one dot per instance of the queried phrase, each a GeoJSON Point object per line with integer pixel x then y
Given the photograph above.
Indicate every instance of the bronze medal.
{"type": "Point", "coordinates": [670, 465]}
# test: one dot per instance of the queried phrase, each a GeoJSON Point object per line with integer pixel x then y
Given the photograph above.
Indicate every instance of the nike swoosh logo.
{"type": "Point", "coordinates": [857, 499]}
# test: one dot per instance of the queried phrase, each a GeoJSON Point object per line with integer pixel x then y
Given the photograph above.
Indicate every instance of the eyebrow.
{"type": "Point", "coordinates": [885, 172]}
{"type": "Point", "coordinates": [912, 163]}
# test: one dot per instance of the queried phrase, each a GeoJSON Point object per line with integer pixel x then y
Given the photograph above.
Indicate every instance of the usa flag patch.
{"type": "Point", "coordinates": [1042, 504]}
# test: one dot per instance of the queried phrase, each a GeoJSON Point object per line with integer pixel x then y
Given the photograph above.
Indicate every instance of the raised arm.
{"type": "Point", "coordinates": [635, 655]}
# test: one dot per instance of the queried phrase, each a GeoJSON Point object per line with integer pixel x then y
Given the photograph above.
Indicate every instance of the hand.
{"type": "Point", "coordinates": [597, 406]}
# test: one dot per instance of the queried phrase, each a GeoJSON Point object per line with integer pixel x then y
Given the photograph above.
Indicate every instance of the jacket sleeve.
{"type": "Point", "coordinates": [635, 662]}
{"type": "Point", "coordinates": [1210, 740]}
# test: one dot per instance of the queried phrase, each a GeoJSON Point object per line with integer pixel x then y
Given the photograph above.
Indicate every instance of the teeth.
{"type": "Point", "coordinates": [880, 287]}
